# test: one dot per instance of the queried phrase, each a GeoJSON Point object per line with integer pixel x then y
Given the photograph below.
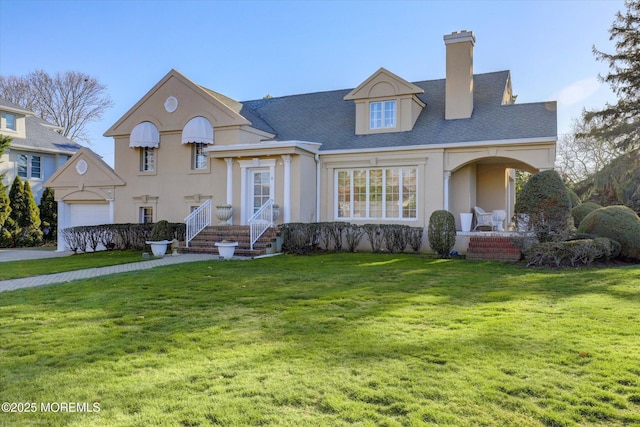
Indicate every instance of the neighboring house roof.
{"type": "Point", "coordinates": [326, 118]}
{"type": "Point", "coordinates": [39, 134]}
{"type": "Point", "coordinates": [15, 108]}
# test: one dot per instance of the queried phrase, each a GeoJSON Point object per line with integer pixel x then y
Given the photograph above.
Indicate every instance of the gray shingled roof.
{"type": "Point", "coordinates": [39, 134]}
{"type": "Point", "coordinates": [326, 118]}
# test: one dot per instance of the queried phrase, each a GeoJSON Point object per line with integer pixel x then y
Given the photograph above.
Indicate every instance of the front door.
{"type": "Point", "coordinates": [260, 188]}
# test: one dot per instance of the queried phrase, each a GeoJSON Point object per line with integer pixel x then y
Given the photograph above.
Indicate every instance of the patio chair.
{"type": "Point", "coordinates": [483, 219]}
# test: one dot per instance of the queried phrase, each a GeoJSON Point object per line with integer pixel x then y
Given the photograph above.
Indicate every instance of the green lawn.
{"type": "Point", "coordinates": [329, 340]}
{"type": "Point", "coordinates": [19, 269]}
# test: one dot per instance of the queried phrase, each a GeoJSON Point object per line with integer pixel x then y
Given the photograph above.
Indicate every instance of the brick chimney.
{"type": "Point", "coordinates": [459, 83]}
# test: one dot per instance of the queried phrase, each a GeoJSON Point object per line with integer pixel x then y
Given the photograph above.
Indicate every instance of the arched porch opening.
{"type": "Point", "coordinates": [488, 183]}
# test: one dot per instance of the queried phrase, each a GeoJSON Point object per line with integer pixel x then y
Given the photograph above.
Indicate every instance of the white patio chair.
{"type": "Point", "coordinates": [483, 219]}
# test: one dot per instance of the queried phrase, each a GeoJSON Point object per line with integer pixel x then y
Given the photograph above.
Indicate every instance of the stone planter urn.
{"type": "Point", "coordinates": [158, 247]}
{"type": "Point", "coordinates": [226, 249]}
{"type": "Point", "coordinates": [224, 212]}
{"type": "Point", "coordinates": [276, 212]}
{"type": "Point", "coordinates": [465, 221]}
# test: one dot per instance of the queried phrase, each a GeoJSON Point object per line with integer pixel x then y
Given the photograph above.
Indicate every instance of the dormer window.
{"type": "Point", "coordinates": [382, 114]}
{"type": "Point", "coordinates": [10, 121]}
{"type": "Point", "coordinates": [385, 103]}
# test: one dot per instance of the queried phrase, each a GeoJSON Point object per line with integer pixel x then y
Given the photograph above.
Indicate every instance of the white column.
{"type": "Point", "coordinates": [62, 224]}
{"type": "Point", "coordinates": [111, 211]}
{"type": "Point", "coordinates": [229, 162]}
{"type": "Point", "coordinates": [447, 177]}
{"type": "Point", "coordinates": [287, 188]}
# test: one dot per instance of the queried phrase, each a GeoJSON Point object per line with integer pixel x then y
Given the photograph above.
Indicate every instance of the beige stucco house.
{"type": "Point", "coordinates": [387, 151]}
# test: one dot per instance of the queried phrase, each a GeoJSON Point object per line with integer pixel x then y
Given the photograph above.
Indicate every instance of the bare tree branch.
{"type": "Point", "coordinates": [70, 100]}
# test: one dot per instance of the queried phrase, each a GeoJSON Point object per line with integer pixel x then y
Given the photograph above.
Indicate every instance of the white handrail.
{"type": "Point", "coordinates": [197, 221]}
{"type": "Point", "coordinates": [261, 221]}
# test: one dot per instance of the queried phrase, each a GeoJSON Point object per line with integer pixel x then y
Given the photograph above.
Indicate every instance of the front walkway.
{"type": "Point", "coordinates": [68, 276]}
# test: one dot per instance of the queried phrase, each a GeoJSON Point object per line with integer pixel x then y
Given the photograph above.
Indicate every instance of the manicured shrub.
{"type": "Point", "coordinates": [375, 235]}
{"type": "Point", "coordinates": [573, 253]}
{"type": "Point", "coordinates": [545, 200]}
{"type": "Point", "coordinates": [353, 234]}
{"type": "Point", "coordinates": [415, 238]}
{"type": "Point", "coordinates": [442, 232]}
{"type": "Point", "coordinates": [618, 223]}
{"type": "Point", "coordinates": [299, 238]}
{"type": "Point", "coordinates": [161, 231]}
{"type": "Point", "coordinates": [579, 212]}
{"type": "Point", "coordinates": [573, 198]}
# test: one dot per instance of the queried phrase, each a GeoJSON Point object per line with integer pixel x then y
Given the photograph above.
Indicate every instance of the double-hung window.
{"type": "Point", "coordinates": [29, 166]}
{"type": "Point", "coordinates": [380, 193]}
{"type": "Point", "coordinates": [199, 160]}
{"type": "Point", "coordinates": [382, 114]}
{"type": "Point", "coordinates": [147, 159]}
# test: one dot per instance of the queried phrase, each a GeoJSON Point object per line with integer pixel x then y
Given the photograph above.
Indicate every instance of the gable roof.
{"type": "Point", "coordinates": [228, 106]}
{"type": "Point", "coordinates": [392, 85]}
{"type": "Point", "coordinates": [100, 174]}
{"type": "Point", "coordinates": [39, 134]}
{"type": "Point", "coordinates": [326, 118]}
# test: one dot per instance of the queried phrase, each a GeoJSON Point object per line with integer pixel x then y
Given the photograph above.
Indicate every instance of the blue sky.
{"type": "Point", "coordinates": [247, 49]}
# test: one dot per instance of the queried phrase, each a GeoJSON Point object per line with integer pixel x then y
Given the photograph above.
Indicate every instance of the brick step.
{"type": "Point", "coordinates": [205, 241]}
{"type": "Point", "coordinates": [492, 248]}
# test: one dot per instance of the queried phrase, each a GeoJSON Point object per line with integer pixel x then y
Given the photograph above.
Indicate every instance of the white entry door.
{"type": "Point", "coordinates": [260, 183]}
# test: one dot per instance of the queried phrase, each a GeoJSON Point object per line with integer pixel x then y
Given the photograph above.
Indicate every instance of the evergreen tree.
{"type": "Point", "coordinates": [24, 220]}
{"type": "Point", "coordinates": [5, 203]}
{"type": "Point", "coordinates": [17, 205]}
{"type": "Point", "coordinates": [621, 122]}
{"type": "Point", "coordinates": [48, 214]}
{"type": "Point", "coordinates": [32, 235]}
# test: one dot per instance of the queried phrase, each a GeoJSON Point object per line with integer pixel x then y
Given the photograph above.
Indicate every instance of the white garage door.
{"type": "Point", "coordinates": [88, 214]}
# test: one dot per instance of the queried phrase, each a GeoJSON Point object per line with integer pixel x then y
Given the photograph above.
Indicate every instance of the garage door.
{"type": "Point", "coordinates": [88, 214]}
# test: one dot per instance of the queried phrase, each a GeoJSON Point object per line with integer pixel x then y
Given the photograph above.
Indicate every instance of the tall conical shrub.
{"type": "Point", "coordinates": [48, 215]}
{"type": "Point", "coordinates": [32, 235]}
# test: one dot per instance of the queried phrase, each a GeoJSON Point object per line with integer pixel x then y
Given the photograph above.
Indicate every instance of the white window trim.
{"type": "Point", "coordinates": [4, 122]}
{"type": "Point", "coordinates": [384, 117]}
{"type": "Point", "coordinates": [29, 166]}
{"type": "Point", "coordinates": [141, 218]}
{"type": "Point", "coordinates": [142, 161]}
{"type": "Point", "coordinates": [336, 182]}
{"type": "Point", "coordinates": [194, 156]}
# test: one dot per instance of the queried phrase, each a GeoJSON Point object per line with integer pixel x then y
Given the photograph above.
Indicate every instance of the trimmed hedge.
{"type": "Point", "coordinates": [571, 252]}
{"type": "Point", "coordinates": [618, 223]}
{"type": "Point", "coordinates": [115, 236]}
{"type": "Point", "coordinates": [302, 238]}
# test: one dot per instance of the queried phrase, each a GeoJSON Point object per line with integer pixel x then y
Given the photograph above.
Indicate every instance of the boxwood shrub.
{"type": "Point", "coordinates": [442, 232]}
{"type": "Point", "coordinates": [582, 210]}
{"type": "Point", "coordinates": [582, 252]}
{"type": "Point", "coordinates": [618, 223]}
